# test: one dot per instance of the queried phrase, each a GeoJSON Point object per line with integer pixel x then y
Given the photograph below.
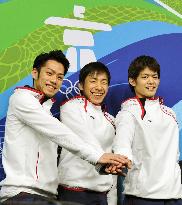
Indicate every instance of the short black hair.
{"type": "Point", "coordinates": [139, 64]}
{"type": "Point", "coordinates": [56, 55]}
{"type": "Point", "coordinates": [91, 68]}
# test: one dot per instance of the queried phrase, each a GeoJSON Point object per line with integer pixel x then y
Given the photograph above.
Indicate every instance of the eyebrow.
{"type": "Point", "coordinates": [54, 71]}
{"type": "Point", "coordinates": [149, 74]}
{"type": "Point", "coordinates": [95, 78]}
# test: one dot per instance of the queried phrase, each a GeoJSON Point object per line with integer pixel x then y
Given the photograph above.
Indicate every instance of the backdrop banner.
{"type": "Point", "coordinates": [111, 31]}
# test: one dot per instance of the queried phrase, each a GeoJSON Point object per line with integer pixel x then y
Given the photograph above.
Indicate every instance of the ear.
{"type": "Point", "coordinates": [132, 82]}
{"type": "Point", "coordinates": [35, 74]}
{"type": "Point", "coordinates": [80, 86]}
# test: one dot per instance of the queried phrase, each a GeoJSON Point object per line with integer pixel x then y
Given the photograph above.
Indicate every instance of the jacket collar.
{"type": "Point", "coordinates": [36, 93]}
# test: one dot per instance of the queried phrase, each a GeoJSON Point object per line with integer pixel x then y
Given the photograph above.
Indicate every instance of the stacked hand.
{"type": "Point", "coordinates": [115, 163]}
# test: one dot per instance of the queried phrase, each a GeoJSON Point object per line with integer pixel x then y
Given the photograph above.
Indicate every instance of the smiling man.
{"type": "Point", "coordinates": [52, 69]}
{"type": "Point", "coordinates": [147, 133]}
{"type": "Point", "coordinates": [32, 135]}
{"type": "Point", "coordinates": [86, 116]}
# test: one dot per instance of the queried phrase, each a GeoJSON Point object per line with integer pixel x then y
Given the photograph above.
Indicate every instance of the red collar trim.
{"type": "Point", "coordinates": [36, 91]}
{"type": "Point", "coordinates": [31, 89]}
{"type": "Point", "coordinates": [161, 100]}
{"type": "Point", "coordinates": [133, 98]}
{"type": "Point", "coordinates": [78, 96]}
{"type": "Point", "coordinates": [153, 98]}
{"type": "Point", "coordinates": [141, 106]}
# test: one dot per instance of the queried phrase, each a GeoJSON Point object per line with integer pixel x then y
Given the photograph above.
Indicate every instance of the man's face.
{"type": "Point", "coordinates": [95, 87]}
{"type": "Point", "coordinates": [146, 84]}
{"type": "Point", "coordinates": [50, 78]}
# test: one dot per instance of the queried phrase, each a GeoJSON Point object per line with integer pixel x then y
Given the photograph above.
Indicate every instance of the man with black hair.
{"type": "Point", "coordinates": [32, 135]}
{"type": "Point", "coordinates": [87, 117]}
{"type": "Point", "coordinates": [147, 133]}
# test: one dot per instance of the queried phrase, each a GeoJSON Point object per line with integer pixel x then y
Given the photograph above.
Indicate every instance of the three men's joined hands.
{"type": "Point", "coordinates": [115, 163]}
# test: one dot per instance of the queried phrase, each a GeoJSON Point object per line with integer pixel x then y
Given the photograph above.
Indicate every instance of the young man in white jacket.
{"type": "Point", "coordinates": [86, 116]}
{"type": "Point", "coordinates": [32, 135]}
{"type": "Point", "coordinates": [147, 133]}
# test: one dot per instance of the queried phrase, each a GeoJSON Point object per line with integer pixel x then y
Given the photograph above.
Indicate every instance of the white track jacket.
{"type": "Point", "coordinates": [95, 127]}
{"type": "Point", "coordinates": [149, 136]}
{"type": "Point", "coordinates": [30, 146]}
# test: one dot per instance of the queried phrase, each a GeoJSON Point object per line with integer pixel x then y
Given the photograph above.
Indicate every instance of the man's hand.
{"type": "Point", "coordinates": [115, 159]}
{"type": "Point", "coordinates": [119, 169]}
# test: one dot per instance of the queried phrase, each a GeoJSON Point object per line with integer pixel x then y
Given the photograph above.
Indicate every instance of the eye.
{"type": "Point", "coordinates": [60, 78]}
{"type": "Point", "coordinates": [49, 73]}
{"type": "Point", "coordinates": [144, 77]}
{"type": "Point", "coordinates": [92, 81]}
{"type": "Point", "coordinates": [155, 77]}
{"type": "Point", "coordinates": [104, 82]}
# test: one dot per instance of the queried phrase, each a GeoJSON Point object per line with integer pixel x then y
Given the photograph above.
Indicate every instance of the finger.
{"type": "Point", "coordinates": [111, 159]}
{"type": "Point", "coordinates": [122, 156]}
{"type": "Point", "coordinates": [113, 169]}
{"type": "Point", "coordinates": [119, 160]}
{"type": "Point", "coordinates": [110, 166]}
{"type": "Point", "coordinates": [107, 171]}
{"type": "Point", "coordinates": [113, 172]}
{"type": "Point", "coordinates": [120, 165]}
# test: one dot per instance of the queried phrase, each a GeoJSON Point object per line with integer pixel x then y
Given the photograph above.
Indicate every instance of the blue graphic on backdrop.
{"type": "Point", "coordinates": [2, 1]}
{"type": "Point", "coordinates": [153, 2]}
{"type": "Point", "coordinates": [108, 42]}
{"type": "Point", "coordinates": [126, 34]}
{"type": "Point", "coordinates": [119, 61]}
{"type": "Point", "coordinates": [157, 39]}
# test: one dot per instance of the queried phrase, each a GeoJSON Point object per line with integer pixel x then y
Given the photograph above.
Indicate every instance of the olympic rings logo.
{"type": "Point", "coordinates": [69, 88]}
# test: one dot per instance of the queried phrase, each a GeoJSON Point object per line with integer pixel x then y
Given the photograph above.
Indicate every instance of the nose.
{"type": "Point", "coordinates": [99, 86]}
{"type": "Point", "coordinates": [151, 80]}
{"type": "Point", "coordinates": [53, 79]}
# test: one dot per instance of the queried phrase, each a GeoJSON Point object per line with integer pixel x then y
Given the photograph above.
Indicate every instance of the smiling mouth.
{"type": "Point", "coordinates": [151, 88]}
{"type": "Point", "coordinates": [97, 94]}
{"type": "Point", "coordinates": [51, 87]}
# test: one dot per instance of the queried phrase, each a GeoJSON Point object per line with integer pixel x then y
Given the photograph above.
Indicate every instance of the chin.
{"type": "Point", "coordinates": [97, 102]}
{"type": "Point", "coordinates": [150, 96]}
{"type": "Point", "coordinates": [49, 95]}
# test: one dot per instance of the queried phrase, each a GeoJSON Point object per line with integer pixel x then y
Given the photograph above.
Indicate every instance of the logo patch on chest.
{"type": "Point", "coordinates": [92, 117]}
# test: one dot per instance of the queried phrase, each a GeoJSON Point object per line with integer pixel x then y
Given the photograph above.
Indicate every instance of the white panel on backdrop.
{"type": "Point", "coordinates": [86, 56]}
{"type": "Point", "coordinates": [71, 55]}
{"type": "Point", "coordinates": [58, 21]}
{"type": "Point", "coordinates": [78, 38]}
{"type": "Point", "coordinates": [78, 11]}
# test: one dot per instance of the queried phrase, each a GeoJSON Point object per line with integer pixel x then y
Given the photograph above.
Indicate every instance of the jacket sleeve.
{"type": "Point", "coordinates": [73, 115]}
{"type": "Point", "coordinates": [28, 110]}
{"type": "Point", "coordinates": [125, 128]}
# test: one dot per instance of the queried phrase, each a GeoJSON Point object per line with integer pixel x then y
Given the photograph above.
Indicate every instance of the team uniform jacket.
{"type": "Point", "coordinates": [30, 147]}
{"type": "Point", "coordinates": [95, 127]}
{"type": "Point", "coordinates": [149, 136]}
